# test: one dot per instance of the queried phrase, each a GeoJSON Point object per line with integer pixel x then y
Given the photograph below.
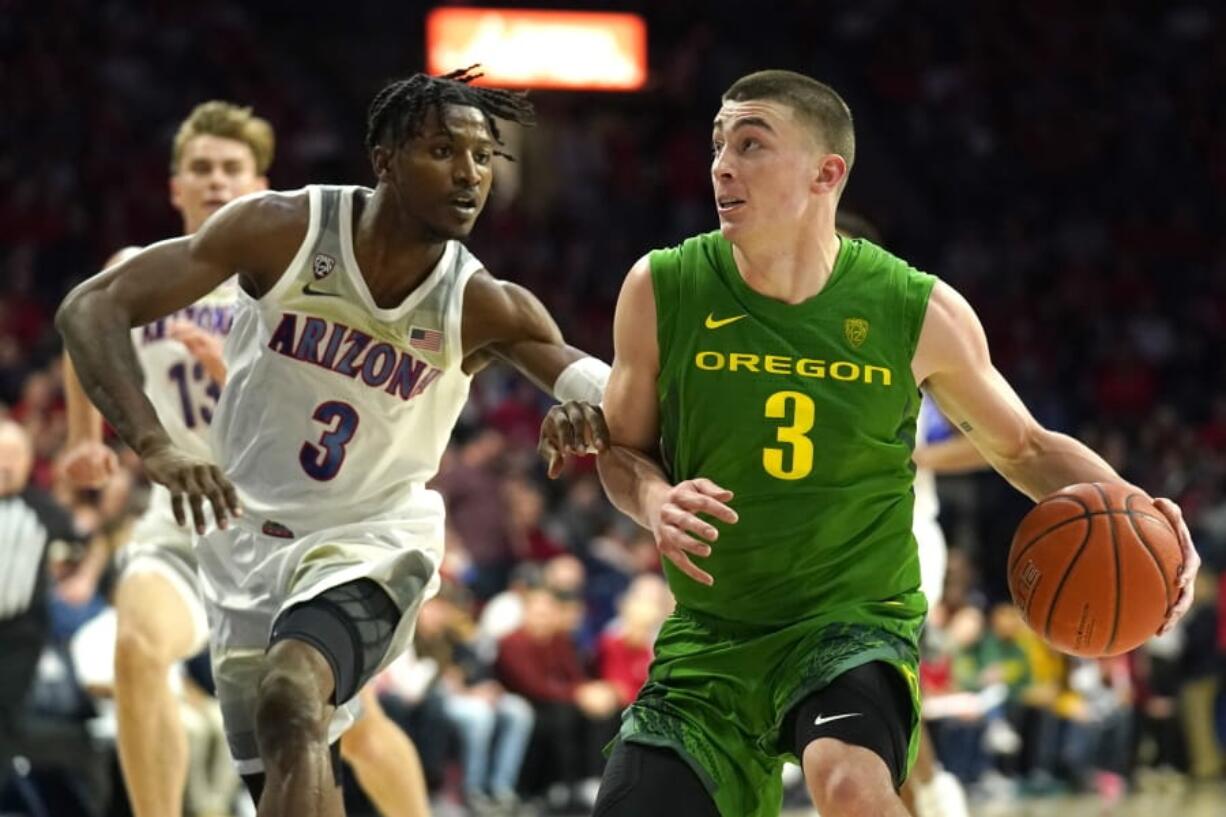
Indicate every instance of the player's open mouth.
{"type": "Point", "coordinates": [725, 205]}
{"type": "Point", "coordinates": [465, 205]}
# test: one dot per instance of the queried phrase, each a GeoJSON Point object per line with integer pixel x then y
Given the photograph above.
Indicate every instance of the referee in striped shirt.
{"type": "Point", "coordinates": [29, 522]}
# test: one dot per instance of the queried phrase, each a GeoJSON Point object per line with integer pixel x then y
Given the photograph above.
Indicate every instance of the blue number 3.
{"type": "Point", "coordinates": [323, 461]}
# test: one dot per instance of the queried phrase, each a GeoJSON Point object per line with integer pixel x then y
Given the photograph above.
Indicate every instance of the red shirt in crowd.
{"type": "Point", "coordinates": [547, 670]}
{"type": "Point", "coordinates": [623, 664]}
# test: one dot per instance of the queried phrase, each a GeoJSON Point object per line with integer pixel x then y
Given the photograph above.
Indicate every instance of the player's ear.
{"type": "Point", "coordinates": [176, 195]}
{"type": "Point", "coordinates": [381, 161]}
{"type": "Point", "coordinates": [829, 173]}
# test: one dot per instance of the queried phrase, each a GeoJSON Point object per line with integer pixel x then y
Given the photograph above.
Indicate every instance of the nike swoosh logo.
{"type": "Point", "coordinates": [820, 719]}
{"type": "Point", "coordinates": [307, 290]}
{"type": "Point", "coordinates": [712, 323]}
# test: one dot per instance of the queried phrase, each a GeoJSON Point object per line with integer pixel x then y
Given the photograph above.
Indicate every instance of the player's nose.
{"type": "Point", "coordinates": [465, 171]}
{"type": "Point", "coordinates": [218, 180]}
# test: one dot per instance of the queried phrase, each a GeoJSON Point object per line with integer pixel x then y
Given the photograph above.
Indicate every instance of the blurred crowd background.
{"type": "Point", "coordinates": [1063, 165]}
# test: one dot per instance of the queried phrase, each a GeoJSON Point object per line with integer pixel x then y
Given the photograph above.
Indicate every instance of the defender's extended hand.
{"type": "Point", "coordinates": [89, 464]}
{"type": "Point", "coordinates": [677, 518]}
{"type": "Point", "coordinates": [198, 479]}
{"type": "Point", "coordinates": [205, 347]}
{"type": "Point", "coordinates": [571, 429]}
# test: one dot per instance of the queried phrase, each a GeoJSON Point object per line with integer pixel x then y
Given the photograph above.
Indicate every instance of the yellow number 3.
{"type": "Point", "coordinates": [793, 435]}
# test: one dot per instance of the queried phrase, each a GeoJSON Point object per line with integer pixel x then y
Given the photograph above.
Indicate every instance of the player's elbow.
{"type": "Point", "coordinates": [66, 314]}
{"type": "Point", "coordinates": [1023, 445]}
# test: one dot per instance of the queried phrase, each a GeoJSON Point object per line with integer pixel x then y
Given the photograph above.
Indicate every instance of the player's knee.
{"type": "Point", "coordinates": [140, 651]}
{"type": "Point", "coordinates": [841, 778]}
{"type": "Point", "coordinates": [290, 712]}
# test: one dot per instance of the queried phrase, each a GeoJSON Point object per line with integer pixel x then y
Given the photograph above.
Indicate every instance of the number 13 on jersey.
{"type": "Point", "coordinates": [799, 407]}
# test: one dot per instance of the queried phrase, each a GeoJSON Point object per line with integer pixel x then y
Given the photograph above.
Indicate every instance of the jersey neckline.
{"type": "Point", "coordinates": [345, 228]}
{"type": "Point", "coordinates": [849, 252]}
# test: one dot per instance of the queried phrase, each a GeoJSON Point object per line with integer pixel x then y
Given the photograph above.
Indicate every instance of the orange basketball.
{"type": "Point", "coordinates": [1094, 569]}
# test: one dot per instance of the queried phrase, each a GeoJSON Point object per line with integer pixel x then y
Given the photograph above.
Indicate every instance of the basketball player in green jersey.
{"type": "Point", "coordinates": [766, 428]}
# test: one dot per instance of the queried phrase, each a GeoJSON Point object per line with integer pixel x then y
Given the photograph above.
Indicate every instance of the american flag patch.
{"type": "Point", "coordinates": [429, 339]}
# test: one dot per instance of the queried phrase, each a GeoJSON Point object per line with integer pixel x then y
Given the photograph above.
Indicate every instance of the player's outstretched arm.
{"type": "Point", "coordinates": [87, 461]}
{"type": "Point", "coordinates": [96, 317]}
{"type": "Point", "coordinates": [630, 471]}
{"type": "Point", "coordinates": [953, 364]}
{"type": "Point", "coordinates": [505, 321]}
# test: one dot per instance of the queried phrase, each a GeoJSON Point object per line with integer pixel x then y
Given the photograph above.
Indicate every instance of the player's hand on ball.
{"type": "Point", "coordinates": [1191, 562]}
{"type": "Point", "coordinates": [677, 523]}
{"type": "Point", "coordinates": [197, 480]}
{"type": "Point", "coordinates": [572, 429]}
{"type": "Point", "coordinates": [205, 347]}
{"type": "Point", "coordinates": [89, 464]}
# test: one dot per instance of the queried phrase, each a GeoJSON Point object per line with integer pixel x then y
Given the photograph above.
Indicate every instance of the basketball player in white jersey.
{"type": "Point", "coordinates": [221, 152]}
{"type": "Point", "coordinates": [931, 791]}
{"type": "Point", "coordinates": [359, 319]}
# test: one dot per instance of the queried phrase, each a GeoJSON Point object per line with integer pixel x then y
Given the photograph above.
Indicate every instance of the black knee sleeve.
{"type": "Point", "coordinates": [651, 781]}
{"type": "Point", "coordinates": [868, 706]}
{"type": "Point", "coordinates": [351, 625]}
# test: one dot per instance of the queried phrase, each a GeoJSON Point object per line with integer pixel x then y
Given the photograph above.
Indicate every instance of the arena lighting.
{"type": "Point", "coordinates": [576, 50]}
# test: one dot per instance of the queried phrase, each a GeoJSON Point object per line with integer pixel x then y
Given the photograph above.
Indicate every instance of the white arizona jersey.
{"type": "Point", "coordinates": [932, 427]}
{"type": "Point", "coordinates": [181, 391]}
{"type": "Point", "coordinates": [337, 410]}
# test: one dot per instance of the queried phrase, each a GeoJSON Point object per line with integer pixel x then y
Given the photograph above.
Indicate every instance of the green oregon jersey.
{"type": "Point", "coordinates": [807, 413]}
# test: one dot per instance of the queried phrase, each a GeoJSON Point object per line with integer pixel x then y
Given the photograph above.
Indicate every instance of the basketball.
{"type": "Point", "coordinates": [1094, 568]}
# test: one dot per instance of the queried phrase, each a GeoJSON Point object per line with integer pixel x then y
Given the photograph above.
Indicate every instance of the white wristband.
{"type": "Point", "coordinates": [583, 380]}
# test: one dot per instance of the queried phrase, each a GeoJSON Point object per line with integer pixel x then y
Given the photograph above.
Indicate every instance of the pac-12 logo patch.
{"type": "Point", "coordinates": [322, 265]}
{"type": "Point", "coordinates": [856, 331]}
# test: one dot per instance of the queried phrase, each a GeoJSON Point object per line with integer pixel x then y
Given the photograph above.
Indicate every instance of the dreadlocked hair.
{"type": "Point", "coordinates": [398, 111]}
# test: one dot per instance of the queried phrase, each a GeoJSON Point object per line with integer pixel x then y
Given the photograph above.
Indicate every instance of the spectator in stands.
{"type": "Point", "coordinates": [1201, 669]}
{"type": "Point", "coordinates": [493, 725]}
{"type": "Point", "coordinates": [470, 483]}
{"type": "Point", "coordinates": [624, 649]}
{"type": "Point", "coordinates": [503, 614]}
{"type": "Point", "coordinates": [575, 715]}
{"type": "Point", "coordinates": [566, 577]}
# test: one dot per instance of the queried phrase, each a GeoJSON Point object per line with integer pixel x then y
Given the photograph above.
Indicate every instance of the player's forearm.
{"type": "Point", "coordinates": [84, 421]}
{"type": "Point", "coordinates": [634, 482]}
{"type": "Point", "coordinates": [97, 336]}
{"type": "Point", "coordinates": [557, 368]}
{"type": "Point", "coordinates": [1049, 461]}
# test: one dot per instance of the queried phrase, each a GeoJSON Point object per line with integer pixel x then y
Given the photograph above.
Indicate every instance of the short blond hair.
{"type": "Point", "coordinates": [816, 103]}
{"type": "Point", "coordinates": [227, 121]}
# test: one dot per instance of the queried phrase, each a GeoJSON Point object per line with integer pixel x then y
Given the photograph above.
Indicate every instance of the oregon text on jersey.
{"type": "Point", "coordinates": [844, 370]}
{"type": "Point", "coordinates": [379, 364]}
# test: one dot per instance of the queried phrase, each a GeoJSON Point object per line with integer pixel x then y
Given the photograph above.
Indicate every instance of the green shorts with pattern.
{"type": "Point", "coordinates": [719, 698]}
